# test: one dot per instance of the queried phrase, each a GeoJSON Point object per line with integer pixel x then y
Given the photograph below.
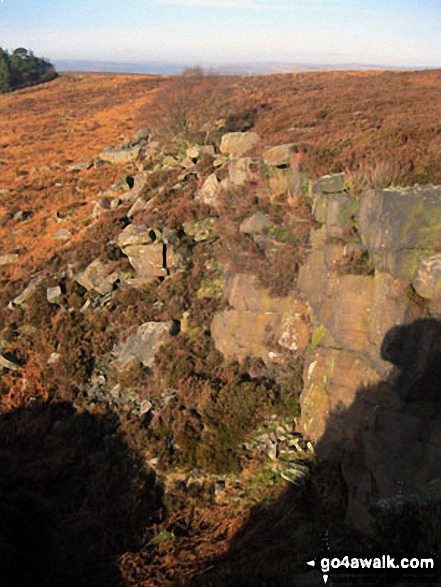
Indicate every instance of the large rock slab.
{"type": "Point", "coordinates": [237, 144]}
{"type": "Point", "coordinates": [427, 277]}
{"type": "Point", "coordinates": [329, 184]}
{"type": "Point", "coordinates": [96, 278]}
{"type": "Point", "coordinates": [258, 223]}
{"type": "Point", "coordinates": [279, 156]}
{"type": "Point", "coordinates": [257, 324]}
{"type": "Point", "coordinates": [244, 169]}
{"type": "Point", "coordinates": [143, 345]}
{"type": "Point", "coordinates": [341, 213]}
{"type": "Point", "coordinates": [210, 191]}
{"type": "Point", "coordinates": [331, 380]}
{"type": "Point", "coordinates": [120, 156]}
{"type": "Point", "coordinates": [397, 225]}
{"type": "Point", "coordinates": [145, 250]}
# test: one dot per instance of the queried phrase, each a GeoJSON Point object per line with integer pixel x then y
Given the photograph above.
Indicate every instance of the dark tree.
{"type": "Point", "coordinates": [21, 68]}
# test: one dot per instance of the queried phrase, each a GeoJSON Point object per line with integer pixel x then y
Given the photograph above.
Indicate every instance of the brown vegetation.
{"type": "Point", "coordinates": [381, 128]}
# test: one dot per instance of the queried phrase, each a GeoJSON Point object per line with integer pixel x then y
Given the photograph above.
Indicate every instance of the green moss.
{"type": "Point", "coordinates": [305, 186]}
{"type": "Point", "coordinates": [164, 536]}
{"type": "Point", "coordinates": [282, 234]}
{"type": "Point", "coordinates": [317, 337]}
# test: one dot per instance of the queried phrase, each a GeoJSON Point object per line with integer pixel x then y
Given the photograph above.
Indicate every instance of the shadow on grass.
{"type": "Point", "coordinates": [73, 497]}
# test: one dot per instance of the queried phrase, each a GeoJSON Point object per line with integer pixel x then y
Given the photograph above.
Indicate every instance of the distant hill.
{"type": "Point", "coordinates": [247, 68]}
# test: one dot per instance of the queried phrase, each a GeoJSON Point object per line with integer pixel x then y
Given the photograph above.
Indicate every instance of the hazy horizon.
{"type": "Point", "coordinates": [386, 33]}
{"type": "Point", "coordinates": [237, 68]}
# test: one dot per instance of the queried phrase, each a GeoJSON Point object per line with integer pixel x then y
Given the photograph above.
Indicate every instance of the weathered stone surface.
{"type": "Point", "coordinates": [257, 324]}
{"type": "Point", "coordinates": [237, 143]}
{"type": "Point", "coordinates": [137, 234]}
{"type": "Point", "coordinates": [22, 215]}
{"type": "Point", "coordinates": [294, 332]}
{"type": "Point", "coordinates": [238, 334]}
{"type": "Point", "coordinates": [397, 225]}
{"type": "Point", "coordinates": [318, 237]}
{"type": "Point", "coordinates": [54, 294]}
{"type": "Point", "coordinates": [258, 223]}
{"type": "Point", "coordinates": [329, 184]}
{"type": "Point", "coordinates": [283, 182]}
{"type": "Point", "coordinates": [319, 204]}
{"type": "Point", "coordinates": [99, 208]}
{"type": "Point", "coordinates": [196, 151]}
{"type": "Point", "coordinates": [63, 234]}
{"type": "Point", "coordinates": [210, 191]}
{"type": "Point", "coordinates": [243, 169]}
{"type": "Point", "coordinates": [334, 255]}
{"type": "Point", "coordinates": [331, 380]}
{"type": "Point", "coordinates": [25, 294]}
{"type": "Point", "coordinates": [278, 156]}
{"type": "Point", "coordinates": [146, 250]}
{"type": "Point", "coordinates": [147, 260]}
{"type": "Point", "coordinates": [427, 277]}
{"type": "Point", "coordinates": [390, 306]}
{"type": "Point", "coordinates": [6, 259]}
{"type": "Point", "coordinates": [138, 206]}
{"type": "Point", "coordinates": [8, 361]}
{"type": "Point", "coordinates": [120, 156]}
{"type": "Point", "coordinates": [341, 211]}
{"type": "Point", "coordinates": [346, 314]}
{"type": "Point", "coordinates": [143, 345]}
{"type": "Point", "coordinates": [96, 278]}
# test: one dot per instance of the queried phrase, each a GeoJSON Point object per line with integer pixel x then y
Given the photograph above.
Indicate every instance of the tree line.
{"type": "Point", "coordinates": [21, 68]}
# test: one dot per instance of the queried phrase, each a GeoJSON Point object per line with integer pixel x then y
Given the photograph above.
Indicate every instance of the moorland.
{"type": "Point", "coordinates": [164, 463]}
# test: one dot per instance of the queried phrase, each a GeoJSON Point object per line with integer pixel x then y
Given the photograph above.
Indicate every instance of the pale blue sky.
{"type": "Point", "coordinates": [384, 32]}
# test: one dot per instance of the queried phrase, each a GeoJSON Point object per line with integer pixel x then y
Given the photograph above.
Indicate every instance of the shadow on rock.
{"type": "Point", "coordinates": [73, 497]}
{"type": "Point", "coordinates": [377, 484]}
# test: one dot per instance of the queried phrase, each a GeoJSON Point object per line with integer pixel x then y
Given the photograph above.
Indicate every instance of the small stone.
{"type": "Point", "coordinates": [296, 474]}
{"type": "Point", "coordinates": [210, 191]}
{"type": "Point", "coordinates": [145, 407]}
{"type": "Point", "coordinates": [255, 224]}
{"type": "Point", "coordinates": [120, 156]}
{"type": "Point", "coordinates": [6, 259]}
{"type": "Point", "coordinates": [54, 358]}
{"type": "Point", "coordinates": [99, 208]}
{"type": "Point", "coordinates": [25, 294]}
{"type": "Point", "coordinates": [54, 294]}
{"type": "Point", "coordinates": [219, 487]}
{"type": "Point", "coordinates": [9, 362]}
{"type": "Point", "coordinates": [63, 234]}
{"type": "Point", "coordinates": [22, 215]}
{"type": "Point", "coordinates": [115, 203]}
{"type": "Point", "coordinates": [273, 452]}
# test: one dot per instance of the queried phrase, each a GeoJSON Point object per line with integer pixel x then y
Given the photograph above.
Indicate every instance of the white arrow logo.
{"type": "Point", "coordinates": [311, 563]}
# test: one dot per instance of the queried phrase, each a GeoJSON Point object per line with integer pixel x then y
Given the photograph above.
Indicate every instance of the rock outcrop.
{"type": "Point", "coordinates": [371, 376]}
{"type": "Point", "coordinates": [256, 324]}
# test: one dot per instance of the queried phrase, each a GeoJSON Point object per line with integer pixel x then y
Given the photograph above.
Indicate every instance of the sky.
{"type": "Point", "coordinates": [383, 32]}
